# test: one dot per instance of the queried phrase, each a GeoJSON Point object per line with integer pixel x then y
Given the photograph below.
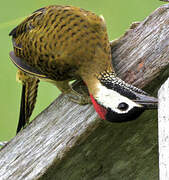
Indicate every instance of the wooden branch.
{"type": "Point", "coordinates": [163, 131]}
{"type": "Point", "coordinates": [68, 141]}
{"type": "Point", "coordinates": [142, 52]}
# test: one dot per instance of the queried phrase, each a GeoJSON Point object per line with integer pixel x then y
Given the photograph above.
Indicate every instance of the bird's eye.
{"type": "Point", "coordinates": [123, 106]}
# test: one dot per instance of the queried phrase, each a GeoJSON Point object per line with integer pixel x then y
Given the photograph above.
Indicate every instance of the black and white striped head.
{"type": "Point", "coordinates": [117, 101]}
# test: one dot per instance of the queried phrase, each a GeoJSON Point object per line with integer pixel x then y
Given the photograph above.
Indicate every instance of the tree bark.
{"type": "Point", "coordinates": [69, 141]}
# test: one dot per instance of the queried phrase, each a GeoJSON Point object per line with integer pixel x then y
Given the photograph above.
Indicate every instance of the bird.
{"type": "Point", "coordinates": [59, 44]}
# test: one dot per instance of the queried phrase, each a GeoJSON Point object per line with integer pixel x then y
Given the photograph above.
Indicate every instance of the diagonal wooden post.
{"type": "Point", "coordinates": [68, 141]}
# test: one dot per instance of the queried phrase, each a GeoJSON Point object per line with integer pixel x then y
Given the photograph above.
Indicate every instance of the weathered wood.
{"type": "Point", "coordinates": [163, 131]}
{"type": "Point", "coordinates": [68, 141]}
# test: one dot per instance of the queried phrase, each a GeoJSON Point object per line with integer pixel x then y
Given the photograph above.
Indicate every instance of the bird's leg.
{"type": "Point", "coordinates": [74, 95]}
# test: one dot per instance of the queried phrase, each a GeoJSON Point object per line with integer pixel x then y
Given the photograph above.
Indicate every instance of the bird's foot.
{"type": "Point", "coordinates": [79, 93]}
{"type": "Point", "coordinates": [81, 99]}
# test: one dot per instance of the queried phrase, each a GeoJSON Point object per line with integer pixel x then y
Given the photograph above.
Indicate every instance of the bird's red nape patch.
{"type": "Point", "coordinates": [99, 109]}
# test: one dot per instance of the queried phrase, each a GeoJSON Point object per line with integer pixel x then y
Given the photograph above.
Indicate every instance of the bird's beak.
{"type": "Point", "coordinates": [148, 102]}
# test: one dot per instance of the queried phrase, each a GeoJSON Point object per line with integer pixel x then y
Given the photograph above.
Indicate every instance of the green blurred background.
{"type": "Point", "coordinates": [119, 14]}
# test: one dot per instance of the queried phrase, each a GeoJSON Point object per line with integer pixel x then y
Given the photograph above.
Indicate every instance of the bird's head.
{"type": "Point", "coordinates": [117, 101]}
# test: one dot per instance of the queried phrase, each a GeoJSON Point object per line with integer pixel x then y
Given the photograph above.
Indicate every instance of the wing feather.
{"type": "Point", "coordinates": [20, 64]}
{"type": "Point", "coordinates": [27, 24]}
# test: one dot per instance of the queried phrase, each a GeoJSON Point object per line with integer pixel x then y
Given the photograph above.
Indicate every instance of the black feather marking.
{"type": "Point", "coordinates": [18, 46]}
{"type": "Point", "coordinates": [120, 89]}
{"type": "Point", "coordinates": [13, 32]}
{"type": "Point", "coordinates": [110, 81]}
{"type": "Point", "coordinates": [26, 24]}
{"type": "Point", "coordinates": [40, 10]}
{"type": "Point", "coordinates": [22, 120]}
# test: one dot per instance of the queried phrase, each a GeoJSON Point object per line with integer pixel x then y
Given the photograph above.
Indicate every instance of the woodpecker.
{"type": "Point", "coordinates": [63, 43]}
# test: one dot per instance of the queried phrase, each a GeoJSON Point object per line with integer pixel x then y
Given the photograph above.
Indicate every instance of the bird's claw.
{"type": "Point", "coordinates": [79, 98]}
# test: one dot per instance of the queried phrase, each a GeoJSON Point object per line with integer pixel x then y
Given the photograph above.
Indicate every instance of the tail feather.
{"type": "Point", "coordinates": [22, 122]}
{"type": "Point", "coordinates": [28, 100]}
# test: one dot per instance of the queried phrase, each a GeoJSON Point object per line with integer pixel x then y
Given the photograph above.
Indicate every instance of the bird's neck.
{"type": "Point", "coordinates": [98, 67]}
{"type": "Point", "coordinates": [94, 80]}
{"type": "Point", "coordinates": [94, 84]}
